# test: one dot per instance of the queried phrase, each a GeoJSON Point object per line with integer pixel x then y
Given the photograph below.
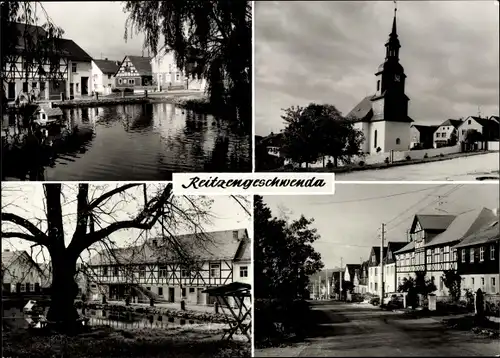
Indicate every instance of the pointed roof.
{"type": "Point", "coordinates": [106, 66]}
{"type": "Point", "coordinates": [362, 111]}
{"type": "Point", "coordinates": [463, 225]}
{"type": "Point", "coordinates": [452, 122]}
{"type": "Point", "coordinates": [408, 247]}
{"type": "Point", "coordinates": [141, 64]}
{"type": "Point", "coordinates": [433, 221]}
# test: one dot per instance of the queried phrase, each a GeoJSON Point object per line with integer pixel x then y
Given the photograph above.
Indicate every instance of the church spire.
{"type": "Point", "coordinates": [392, 46]}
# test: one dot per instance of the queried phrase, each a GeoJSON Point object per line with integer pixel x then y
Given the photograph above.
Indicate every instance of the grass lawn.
{"type": "Point", "coordinates": [193, 341]}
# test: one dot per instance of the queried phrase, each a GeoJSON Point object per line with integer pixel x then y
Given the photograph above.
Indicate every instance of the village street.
{"type": "Point", "coordinates": [364, 330]}
{"type": "Point", "coordinates": [462, 169]}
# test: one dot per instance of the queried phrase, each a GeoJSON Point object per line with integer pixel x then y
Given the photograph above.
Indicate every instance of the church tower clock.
{"type": "Point", "coordinates": [390, 102]}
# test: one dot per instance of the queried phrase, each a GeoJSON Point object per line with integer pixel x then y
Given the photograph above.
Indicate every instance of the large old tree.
{"type": "Point", "coordinates": [210, 38]}
{"type": "Point", "coordinates": [101, 211]}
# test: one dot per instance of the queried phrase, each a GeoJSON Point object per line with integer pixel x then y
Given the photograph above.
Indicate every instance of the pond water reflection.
{"type": "Point", "coordinates": [127, 142]}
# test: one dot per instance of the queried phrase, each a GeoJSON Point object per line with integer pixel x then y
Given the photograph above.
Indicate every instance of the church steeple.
{"type": "Point", "coordinates": [392, 45]}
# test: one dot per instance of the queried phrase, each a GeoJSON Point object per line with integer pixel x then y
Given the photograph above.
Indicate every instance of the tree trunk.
{"type": "Point", "coordinates": [64, 290]}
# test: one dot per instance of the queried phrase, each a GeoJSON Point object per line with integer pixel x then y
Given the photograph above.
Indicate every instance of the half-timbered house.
{"type": "Point", "coordinates": [154, 267]}
{"type": "Point", "coordinates": [134, 71]}
{"type": "Point", "coordinates": [47, 80]}
{"type": "Point", "coordinates": [431, 248]}
{"type": "Point", "coordinates": [478, 263]}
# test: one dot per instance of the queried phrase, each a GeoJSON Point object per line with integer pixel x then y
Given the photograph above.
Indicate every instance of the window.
{"type": "Point", "coordinates": [93, 285]}
{"type": "Point", "coordinates": [376, 271]}
{"type": "Point", "coordinates": [244, 271]}
{"type": "Point", "coordinates": [398, 141]}
{"type": "Point", "coordinates": [131, 81]}
{"type": "Point", "coordinates": [160, 291]}
{"type": "Point", "coordinates": [378, 85]}
{"type": "Point", "coordinates": [177, 76]}
{"type": "Point", "coordinates": [25, 87]}
{"type": "Point", "coordinates": [454, 255]}
{"type": "Point", "coordinates": [163, 271]}
{"type": "Point", "coordinates": [373, 259]}
{"type": "Point", "coordinates": [148, 288]}
{"type": "Point", "coordinates": [73, 67]}
{"type": "Point", "coordinates": [493, 283]}
{"type": "Point", "coordinates": [77, 87]}
{"type": "Point", "coordinates": [183, 292]}
{"type": "Point", "coordinates": [463, 131]}
{"type": "Point", "coordinates": [34, 85]}
{"type": "Point", "coordinates": [472, 281]}
{"type": "Point", "coordinates": [214, 270]}
{"type": "Point", "coordinates": [109, 77]}
{"type": "Point", "coordinates": [142, 271]}
{"type": "Point", "coordinates": [191, 289]}
{"type": "Point", "coordinates": [437, 135]}
{"type": "Point", "coordinates": [23, 287]}
{"type": "Point", "coordinates": [235, 235]}
{"type": "Point", "coordinates": [482, 281]}
{"type": "Point", "coordinates": [471, 255]}
{"type": "Point", "coordinates": [115, 271]}
{"type": "Point", "coordinates": [481, 254]}
{"type": "Point", "coordinates": [375, 139]}
{"type": "Point", "coordinates": [492, 252]}
{"type": "Point", "coordinates": [32, 287]}
{"type": "Point", "coordinates": [119, 81]}
{"type": "Point", "coordinates": [105, 271]}
{"type": "Point", "coordinates": [441, 284]}
{"type": "Point", "coordinates": [469, 121]}
{"type": "Point", "coordinates": [463, 255]}
{"type": "Point", "coordinates": [184, 273]}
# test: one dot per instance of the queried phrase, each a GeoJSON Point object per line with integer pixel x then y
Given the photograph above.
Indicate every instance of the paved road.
{"type": "Point", "coordinates": [466, 168]}
{"type": "Point", "coordinates": [349, 330]}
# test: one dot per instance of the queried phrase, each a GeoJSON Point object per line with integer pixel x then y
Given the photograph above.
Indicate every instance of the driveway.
{"type": "Point", "coordinates": [349, 330]}
{"type": "Point", "coordinates": [458, 169]}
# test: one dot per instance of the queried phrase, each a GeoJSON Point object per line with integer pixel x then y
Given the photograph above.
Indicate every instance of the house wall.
{"type": "Point", "coordinates": [379, 127]}
{"type": "Point", "coordinates": [469, 123]}
{"type": "Point", "coordinates": [83, 69]}
{"type": "Point", "coordinates": [488, 283]}
{"type": "Point", "coordinates": [374, 280]}
{"type": "Point", "coordinates": [101, 83]}
{"type": "Point", "coordinates": [128, 81]}
{"type": "Point", "coordinates": [414, 137]}
{"type": "Point", "coordinates": [364, 127]}
{"type": "Point", "coordinates": [493, 145]}
{"type": "Point", "coordinates": [443, 133]}
{"type": "Point", "coordinates": [239, 269]}
{"type": "Point", "coordinates": [390, 278]}
{"type": "Point", "coordinates": [21, 271]}
{"type": "Point", "coordinates": [395, 131]}
{"type": "Point", "coordinates": [166, 74]}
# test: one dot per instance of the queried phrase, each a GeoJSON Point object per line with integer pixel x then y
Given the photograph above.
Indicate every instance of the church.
{"type": "Point", "coordinates": [383, 117]}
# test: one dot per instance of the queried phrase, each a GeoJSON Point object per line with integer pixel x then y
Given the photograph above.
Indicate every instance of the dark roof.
{"type": "Point", "coordinates": [22, 30]}
{"type": "Point", "coordinates": [425, 129]}
{"type": "Point", "coordinates": [352, 268]}
{"type": "Point", "coordinates": [408, 247]}
{"type": "Point", "coordinates": [452, 122]}
{"type": "Point", "coordinates": [485, 122]}
{"type": "Point", "coordinates": [489, 233]}
{"type": "Point", "coordinates": [107, 66]}
{"type": "Point", "coordinates": [464, 224]}
{"type": "Point", "coordinates": [496, 118]}
{"type": "Point", "coordinates": [394, 246]}
{"type": "Point", "coordinates": [73, 51]}
{"type": "Point", "coordinates": [142, 65]}
{"type": "Point", "coordinates": [362, 111]}
{"type": "Point", "coordinates": [218, 245]}
{"type": "Point", "coordinates": [236, 289]}
{"type": "Point", "coordinates": [376, 251]}
{"type": "Point", "coordinates": [434, 222]}
{"type": "Point", "coordinates": [273, 139]}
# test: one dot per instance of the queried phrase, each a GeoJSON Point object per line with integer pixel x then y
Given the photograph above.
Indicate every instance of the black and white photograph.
{"type": "Point", "coordinates": [353, 87]}
{"type": "Point", "coordinates": [124, 270]}
{"type": "Point", "coordinates": [378, 271]}
{"type": "Point", "coordinates": [125, 90]}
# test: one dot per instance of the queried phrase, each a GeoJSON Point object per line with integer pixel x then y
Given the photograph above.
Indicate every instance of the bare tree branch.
{"type": "Point", "coordinates": [94, 203]}
{"type": "Point", "coordinates": [20, 235]}
{"type": "Point", "coordinates": [38, 235]}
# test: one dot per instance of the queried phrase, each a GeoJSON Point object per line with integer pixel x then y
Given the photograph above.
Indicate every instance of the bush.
{"type": "Point", "coordinates": [361, 163]}
{"type": "Point", "coordinates": [426, 156]}
{"type": "Point", "coordinates": [379, 149]}
{"type": "Point", "coordinates": [492, 309]}
{"type": "Point", "coordinates": [288, 167]}
{"type": "Point", "coordinates": [408, 157]}
{"type": "Point", "coordinates": [441, 155]}
{"type": "Point", "coordinates": [386, 160]}
{"type": "Point", "coordinates": [329, 165]}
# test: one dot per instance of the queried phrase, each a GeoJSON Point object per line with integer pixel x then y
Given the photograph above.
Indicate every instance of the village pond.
{"type": "Point", "coordinates": [123, 142]}
{"type": "Point", "coordinates": [15, 317]}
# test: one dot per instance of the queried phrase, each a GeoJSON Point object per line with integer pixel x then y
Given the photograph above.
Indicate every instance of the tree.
{"type": "Point", "coordinates": [100, 212]}
{"type": "Point", "coordinates": [472, 136]}
{"type": "Point", "coordinates": [320, 130]}
{"type": "Point", "coordinates": [415, 286]}
{"type": "Point", "coordinates": [452, 280]}
{"type": "Point", "coordinates": [286, 258]}
{"type": "Point", "coordinates": [38, 46]}
{"type": "Point", "coordinates": [453, 138]}
{"type": "Point", "coordinates": [210, 38]}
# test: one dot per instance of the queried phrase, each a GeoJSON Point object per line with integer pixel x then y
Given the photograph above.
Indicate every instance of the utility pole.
{"type": "Point", "coordinates": [327, 285]}
{"type": "Point", "coordinates": [341, 283]}
{"type": "Point", "coordinates": [382, 265]}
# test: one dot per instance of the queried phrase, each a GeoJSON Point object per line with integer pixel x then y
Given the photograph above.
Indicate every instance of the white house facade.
{"type": "Point", "coordinates": [103, 76]}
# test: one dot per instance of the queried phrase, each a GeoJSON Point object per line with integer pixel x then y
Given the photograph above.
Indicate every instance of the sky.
{"type": "Point", "coordinates": [349, 222]}
{"type": "Point", "coordinates": [328, 52]}
{"type": "Point", "coordinates": [26, 200]}
{"type": "Point", "coordinates": [96, 26]}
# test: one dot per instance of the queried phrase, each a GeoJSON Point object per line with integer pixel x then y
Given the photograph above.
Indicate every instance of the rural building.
{"type": "Point", "coordinates": [422, 137]}
{"type": "Point", "coordinates": [447, 133]}
{"type": "Point", "coordinates": [133, 72]}
{"type": "Point", "coordinates": [383, 117]}
{"type": "Point", "coordinates": [20, 274]}
{"type": "Point", "coordinates": [169, 77]}
{"type": "Point", "coordinates": [156, 270]}
{"type": "Point", "coordinates": [103, 75]}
